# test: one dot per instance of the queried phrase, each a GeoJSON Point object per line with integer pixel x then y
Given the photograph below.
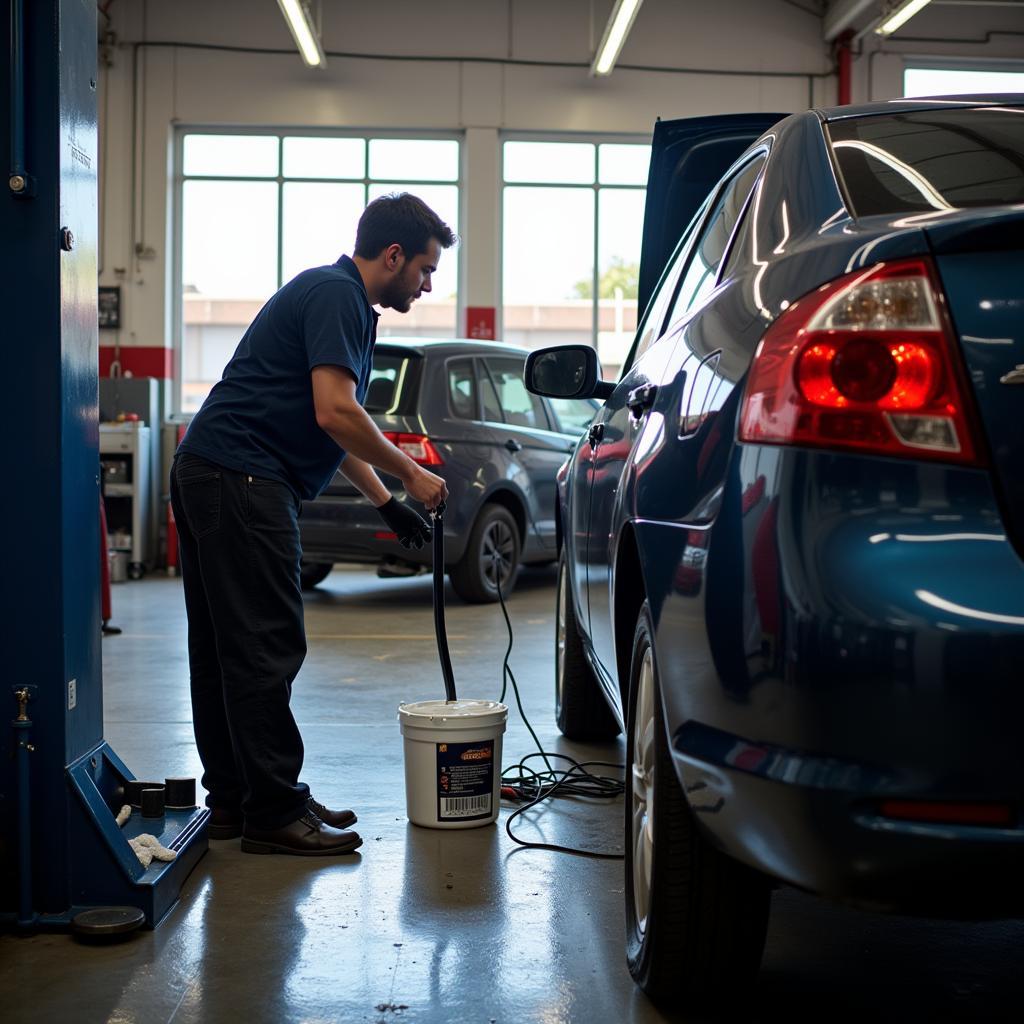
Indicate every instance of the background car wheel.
{"type": "Point", "coordinates": [491, 554]}
{"type": "Point", "coordinates": [581, 711]}
{"type": "Point", "coordinates": [695, 919]}
{"type": "Point", "coordinates": [312, 573]}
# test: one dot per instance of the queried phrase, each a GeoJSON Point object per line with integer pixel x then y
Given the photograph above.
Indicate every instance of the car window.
{"type": "Point", "coordinates": [654, 321]}
{"type": "Point", "coordinates": [462, 389]}
{"type": "Point", "coordinates": [492, 407]}
{"type": "Point", "coordinates": [393, 382]}
{"type": "Point", "coordinates": [573, 414]}
{"type": "Point", "coordinates": [699, 278]}
{"type": "Point", "coordinates": [930, 159]}
{"type": "Point", "coordinates": [521, 409]}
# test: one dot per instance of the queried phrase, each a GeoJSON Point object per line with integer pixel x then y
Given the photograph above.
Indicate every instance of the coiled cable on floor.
{"type": "Point", "coordinates": [522, 782]}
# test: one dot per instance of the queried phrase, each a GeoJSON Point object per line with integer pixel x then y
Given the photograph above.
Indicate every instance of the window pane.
{"type": "Point", "coordinates": [324, 158]}
{"type": "Point", "coordinates": [620, 222]}
{"type": "Point", "coordinates": [433, 314]}
{"type": "Point", "coordinates": [931, 160]}
{"type": "Point", "coordinates": [492, 407]}
{"type": "Point", "coordinates": [623, 165]}
{"type": "Point", "coordinates": [319, 224]}
{"type": "Point", "coordinates": [416, 159]}
{"type": "Point", "coordinates": [521, 409]}
{"type": "Point", "coordinates": [702, 271]}
{"type": "Point", "coordinates": [229, 269]}
{"type": "Point", "coordinates": [548, 266]}
{"type": "Point", "coordinates": [949, 82]}
{"type": "Point", "coordinates": [462, 389]}
{"type": "Point", "coordinates": [570, 163]}
{"type": "Point", "coordinates": [243, 156]}
{"type": "Point", "coordinates": [574, 414]}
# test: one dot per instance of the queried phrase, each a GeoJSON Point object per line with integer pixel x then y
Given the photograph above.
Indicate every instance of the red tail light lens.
{"type": "Point", "coordinates": [866, 362]}
{"type": "Point", "coordinates": [418, 447]}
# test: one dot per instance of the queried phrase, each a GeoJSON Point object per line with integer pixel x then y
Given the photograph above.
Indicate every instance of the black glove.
{"type": "Point", "coordinates": [412, 529]}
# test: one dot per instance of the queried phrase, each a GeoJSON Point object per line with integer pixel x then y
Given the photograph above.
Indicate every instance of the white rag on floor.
{"type": "Point", "coordinates": [147, 847]}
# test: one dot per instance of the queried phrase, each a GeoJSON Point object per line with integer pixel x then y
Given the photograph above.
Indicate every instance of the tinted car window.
{"type": "Point", "coordinates": [492, 407]}
{"type": "Point", "coordinates": [573, 414]}
{"type": "Point", "coordinates": [520, 407]}
{"type": "Point", "coordinates": [700, 275]}
{"type": "Point", "coordinates": [392, 383]}
{"type": "Point", "coordinates": [931, 159]}
{"type": "Point", "coordinates": [462, 389]}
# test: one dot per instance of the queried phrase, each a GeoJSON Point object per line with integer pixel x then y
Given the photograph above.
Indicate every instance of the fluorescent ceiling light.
{"type": "Point", "coordinates": [620, 21]}
{"type": "Point", "coordinates": [900, 15]}
{"type": "Point", "coordinates": [303, 32]}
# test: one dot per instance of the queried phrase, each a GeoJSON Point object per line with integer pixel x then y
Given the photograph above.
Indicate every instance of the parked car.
{"type": "Point", "coordinates": [460, 408]}
{"type": "Point", "coordinates": [791, 542]}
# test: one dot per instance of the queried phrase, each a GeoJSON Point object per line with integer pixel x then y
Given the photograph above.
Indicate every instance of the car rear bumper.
{"type": "Point", "coordinates": [829, 835]}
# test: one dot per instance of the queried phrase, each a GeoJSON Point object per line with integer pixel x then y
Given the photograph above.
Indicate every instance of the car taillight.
{"type": "Point", "coordinates": [868, 362]}
{"type": "Point", "coordinates": [418, 447]}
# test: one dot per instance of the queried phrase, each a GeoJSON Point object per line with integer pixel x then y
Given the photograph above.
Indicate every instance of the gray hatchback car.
{"type": "Point", "coordinates": [461, 409]}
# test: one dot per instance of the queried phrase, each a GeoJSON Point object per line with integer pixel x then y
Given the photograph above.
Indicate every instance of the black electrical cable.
{"type": "Point", "coordinates": [519, 781]}
{"type": "Point", "coordinates": [440, 632]}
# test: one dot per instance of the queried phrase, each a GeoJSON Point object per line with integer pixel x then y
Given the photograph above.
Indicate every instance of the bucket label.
{"type": "Point", "coordinates": [465, 780]}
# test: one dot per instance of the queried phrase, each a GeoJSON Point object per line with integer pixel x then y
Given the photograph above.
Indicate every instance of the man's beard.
{"type": "Point", "coordinates": [398, 296]}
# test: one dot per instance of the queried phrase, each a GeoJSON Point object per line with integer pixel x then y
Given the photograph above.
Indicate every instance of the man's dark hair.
{"type": "Point", "coordinates": [403, 218]}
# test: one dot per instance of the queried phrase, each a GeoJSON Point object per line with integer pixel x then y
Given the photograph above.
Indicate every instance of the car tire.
{"type": "Point", "coordinates": [312, 573]}
{"type": "Point", "coordinates": [581, 711]}
{"type": "Point", "coordinates": [695, 919]}
{"type": "Point", "coordinates": [474, 577]}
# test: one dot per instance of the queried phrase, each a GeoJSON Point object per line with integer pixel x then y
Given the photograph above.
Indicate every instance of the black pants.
{"type": "Point", "coordinates": [239, 553]}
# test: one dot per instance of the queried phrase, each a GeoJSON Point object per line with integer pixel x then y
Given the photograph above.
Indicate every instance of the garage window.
{"type": "Point", "coordinates": [572, 220]}
{"type": "Point", "coordinates": [255, 209]}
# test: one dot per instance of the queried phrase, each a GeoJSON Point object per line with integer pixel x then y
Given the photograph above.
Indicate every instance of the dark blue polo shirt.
{"type": "Point", "coordinates": [259, 418]}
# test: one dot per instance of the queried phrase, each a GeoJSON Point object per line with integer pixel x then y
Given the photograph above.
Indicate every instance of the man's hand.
{"type": "Point", "coordinates": [412, 530]}
{"type": "Point", "coordinates": [426, 487]}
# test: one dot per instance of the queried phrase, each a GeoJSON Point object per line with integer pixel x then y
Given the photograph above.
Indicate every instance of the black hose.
{"type": "Point", "coordinates": [439, 629]}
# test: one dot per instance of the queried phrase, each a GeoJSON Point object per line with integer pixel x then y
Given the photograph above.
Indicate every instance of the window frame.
{"type": "Point", "coordinates": [175, 319]}
{"type": "Point", "coordinates": [596, 139]}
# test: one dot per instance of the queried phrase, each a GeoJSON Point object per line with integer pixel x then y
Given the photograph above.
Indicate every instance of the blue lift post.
{"type": "Point", "coordinates": [61, 785]}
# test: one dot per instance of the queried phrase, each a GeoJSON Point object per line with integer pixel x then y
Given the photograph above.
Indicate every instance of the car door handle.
{"type": "Point", "coordinates": [641, 399]}
{"type": "Point", "coordinates": [595, 434]}
{"type": "Point", "coordinates": [513, 445]}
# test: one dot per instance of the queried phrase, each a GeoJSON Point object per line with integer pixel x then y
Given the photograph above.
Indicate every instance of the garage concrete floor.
{"type": "Point", "coordinates": [432, 926]}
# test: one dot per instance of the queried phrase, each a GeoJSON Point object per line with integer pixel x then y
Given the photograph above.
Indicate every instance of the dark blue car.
{"type": "Point", "coordinates": [791, 543]}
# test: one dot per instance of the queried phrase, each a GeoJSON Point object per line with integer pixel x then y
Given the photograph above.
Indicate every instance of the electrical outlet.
{"type": "Point", "coordinates": [72, 694]}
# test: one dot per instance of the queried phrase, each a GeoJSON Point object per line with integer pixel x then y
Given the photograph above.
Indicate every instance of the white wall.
{"type": "Point", "coordinates": [772, 49]}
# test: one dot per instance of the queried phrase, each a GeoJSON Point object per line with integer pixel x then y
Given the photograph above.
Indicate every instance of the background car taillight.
{"type": "Point", "coordinates": [868, 362]}
{"type": "Point", "coordinates": [418, 447]}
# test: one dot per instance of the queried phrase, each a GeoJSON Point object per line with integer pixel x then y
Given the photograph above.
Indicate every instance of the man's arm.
{"type": "Point", "coordinates": [364, 478]}
{"type": "Point", "coordinates": [339, 414]}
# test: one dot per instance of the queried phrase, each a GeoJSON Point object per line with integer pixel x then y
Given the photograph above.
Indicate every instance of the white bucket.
{"type": "Point", "coordinates": [452, 761]}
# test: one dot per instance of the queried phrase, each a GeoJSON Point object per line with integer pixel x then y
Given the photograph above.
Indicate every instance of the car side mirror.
{"type": "Point", "coordinates": [565, 371]}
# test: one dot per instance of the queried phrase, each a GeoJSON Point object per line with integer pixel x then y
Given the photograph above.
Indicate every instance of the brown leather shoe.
{"type": "Point", "coordinates": [307, 837]}
{"type": "Point", "coordinates": [336, 819]}
{"type": "Point", "coordinates": [224, 823]}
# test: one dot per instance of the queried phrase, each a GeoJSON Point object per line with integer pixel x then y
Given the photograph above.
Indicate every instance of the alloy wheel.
{"type": "Point", "coordinates": [497, 553]}
{"type": "Point", "coordinates": [642, 774]}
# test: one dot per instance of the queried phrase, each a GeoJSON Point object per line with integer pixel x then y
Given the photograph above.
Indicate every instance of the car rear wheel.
{"type": "Point", "coordinates": [695, 918]}
{"type": "Point", "coordinates": [312, 573]}
{"type": "Point", "coordinates": [491, 557]}
{"type": "Point", "coordinates": [581, 711]}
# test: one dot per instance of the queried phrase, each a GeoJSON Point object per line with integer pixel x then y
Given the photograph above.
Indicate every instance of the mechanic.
{"type": "Point", "coordinates": [272, 433]}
